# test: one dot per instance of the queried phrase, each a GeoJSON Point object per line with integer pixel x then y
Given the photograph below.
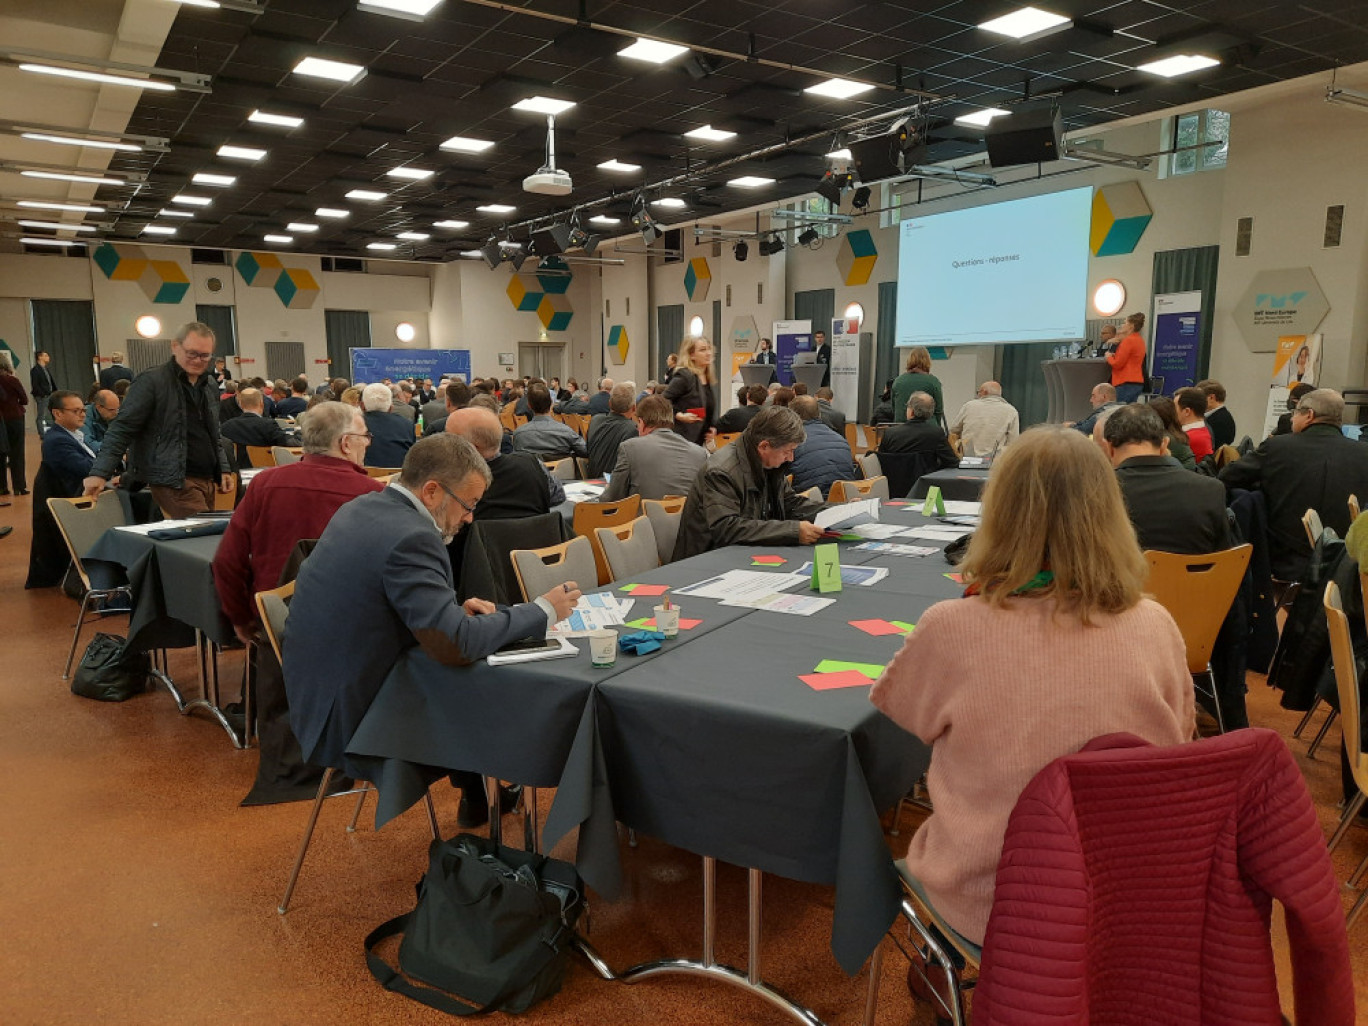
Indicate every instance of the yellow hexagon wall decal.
{"type": "Point", "coordinates": [618, 345]}
{"type": "Point", "coordinates": [856, 257]}
{"type": "Point", "coordinates": [524, 292]}
{"type": "Point", "coordinates": [697, 278]}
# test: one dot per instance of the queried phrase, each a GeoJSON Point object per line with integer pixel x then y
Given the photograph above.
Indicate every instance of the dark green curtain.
{"type": "Point", "coordinates": [1022, 380]}
{"type": "Point", "coordinates": [346, 330]}
{"type": "Point", "coordinates": [1189, 270]}
{"type": "Point", "coordinates": [65, 329]}
{"type": "Point", "coordinates": [221, 319]}
{"type": "Point", "coordinates": [669, 334]}
{"type": "Point", "coordinates": [886, 363]}
{"type": "Point", "coordinates": [817, 306]}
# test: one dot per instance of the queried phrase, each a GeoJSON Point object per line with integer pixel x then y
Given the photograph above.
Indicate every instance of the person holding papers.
{"type": "Point", "coordinates": [742, 496]}
{"type": "Point", "coordinates": [1052, 645]}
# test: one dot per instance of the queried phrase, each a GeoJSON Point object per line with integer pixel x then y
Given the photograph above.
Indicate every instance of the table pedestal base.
{"type": "Point", "coordinates": [208, 671]}
{"type": "Point", "coordinates": [708, 966]}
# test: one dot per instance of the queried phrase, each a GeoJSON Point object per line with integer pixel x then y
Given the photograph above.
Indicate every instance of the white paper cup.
{"type": "Point", "coordinates": [603, 646]}
{"type": "Point", "coordinates": [667, 620]}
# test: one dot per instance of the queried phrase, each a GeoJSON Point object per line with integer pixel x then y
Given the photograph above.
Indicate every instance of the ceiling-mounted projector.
{"type": "Point", "coordinates": [548, 180]}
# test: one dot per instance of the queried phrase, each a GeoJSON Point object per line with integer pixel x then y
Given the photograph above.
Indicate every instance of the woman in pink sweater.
{"type": "Point", "coordinates": [1051, 646]}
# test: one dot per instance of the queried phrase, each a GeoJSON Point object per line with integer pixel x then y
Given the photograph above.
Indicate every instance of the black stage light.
{"type": "Point", "coordinates": [831, 186]}
{"type": "Point", "coordinates": [492, 253]}
{"type": "Point", "coordinates": [772, 245]}
{"type": "Point", "coordinates": [590, 244]}
{"type": "Point", "coordinates": [808, 236]}
{"type": "Point", "coordinates": [552, 240]}
{"type": "Point", "coordinates": [517, 258]}
{"type": "Point", "coordinates": [861, 198]}
{"type": "Point", "coordinates": [741, 251]}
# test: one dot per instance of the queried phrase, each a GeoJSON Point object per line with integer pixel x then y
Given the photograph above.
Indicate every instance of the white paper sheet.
{"type": "Point", "coordinates": [963, 507]}
{"type": "Point", "coordinates": [847, 514]}
{"type": "Point", "coordinates": [940, 534]}
{"type": "Point", "coordinates": [894, 549]}
{"type": "Point", "coordinates": [878, 531]}
{"type": "Point", "coordinates": [736, 585]}
{"type": "Point", "coordinates": [593, 613]}
{"type": "Point", "coordinates": [582, 491]}
{"type": "Point", "coordinates": [160, 525]}
{"type": "Point", "coordinates": [795, 605]}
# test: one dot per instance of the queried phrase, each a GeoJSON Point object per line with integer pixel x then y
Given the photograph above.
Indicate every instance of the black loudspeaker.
{"type": "Point", "coordinates": [877, 158]}
{"type": "Point", "coordinates": [552, 240]}
{"type": "Point", "coordinates": [1027, 137]}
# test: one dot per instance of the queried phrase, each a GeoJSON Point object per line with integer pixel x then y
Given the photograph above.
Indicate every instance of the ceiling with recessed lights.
{"type": "Point", "coordinates": [414, 140]}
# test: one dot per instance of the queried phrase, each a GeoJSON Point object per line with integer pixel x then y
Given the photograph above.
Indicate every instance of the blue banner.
{"type": "Point", "coordinates": [370, 365]}
{"type": "Point", "coordinates": [1177, 339]}
{"type": "Point", "coordinates": [790, 339]}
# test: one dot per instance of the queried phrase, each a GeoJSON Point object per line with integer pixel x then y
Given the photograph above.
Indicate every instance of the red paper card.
{"type": "Point", "coordinates": [646, 590]}
{"type": "Point", "coordinates": [878, 628]}
{"type": "Point", "coordinates": [954, 577]}
{"type": "Point", "coordinates": [768, 560]}
{"type": "Point", "coordinates": [828, 681]}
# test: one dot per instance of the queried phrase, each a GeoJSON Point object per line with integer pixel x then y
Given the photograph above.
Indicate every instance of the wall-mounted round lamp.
{"type": "Point", "coordinates": [1109, 297]}
{"type": "Point", "coordinates": [695, 327]}
{"type": "Point", "coordinates": [405, 332]}
{"type": "Point", "coordinates": [148, 326]}
{"type": "Point", "coordinates": [855, 312]}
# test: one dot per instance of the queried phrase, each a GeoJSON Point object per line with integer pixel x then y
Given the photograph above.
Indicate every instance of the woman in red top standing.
{"type": "Point", "coordinates": [1127, 362]}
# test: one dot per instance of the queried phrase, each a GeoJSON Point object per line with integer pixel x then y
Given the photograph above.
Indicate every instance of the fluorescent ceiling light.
{"type": "Point", "coordinates": [454, 225]}
{"type": "Point", "coordinates": [981, 117]}
{"type": "Point", "coordinates": [381, 245]}
{"type": "Point", "coordinates": [510, 244]}
{"type": "Point", "coordinates": [710, 134]}
{"type": "Point", "coordinates": [839, 88]}
{"type": "Point", "coordinates": [159, 229]}
{"type": "Point", "coordinates": [283, 240]}
{"type": "Point", "coordinates": [261, 117]}
{"type": "Point", "coordinates": [465, 144]}
{"type": "Point", "coordinates": [1028, 21]}
{"type": "Point", "coordinates": [241, 153]}
{"type": "Point", "coordinates": [301, 226]}
{"type": "Point", "coordinates": [58, 226]}
{"type": "Point", "coordinates": [414, 236]}
{"type": "Point", "coordinates": [331, 212]}
{"type": "Point", "coordinates": [366, 195]}
{"type": "Point", "coordinates": [653, 51]}
{"type": "Point", "coordinates": [604, 219]}
{"type": "Point", "coordinates": [544, 105]}
{"type": "Point", "coordinates": [58, 176]}
{"type": "Point", "coordinates": [412, 8]}
{"type": "Point", "coordinates": [672, 202]}
{"type": "Point", "coordinates": [472, 253]}
{"type": "Point", "coordinates": [840, 155]}
{"type": "Point", "coordinates": [1181, 64]}
{"type": "Point", "coordinates": [496, 208]}
{"type": "Point", "coordinates": [191, 201]}
{"type": "Point", "coordinates": [750, 182]}
{"type": "Point", "coordinates": [73, 207]}
{"type": "Point", "coordinates": [97, 76]}
{"type": "Point", "coordinates": [617, 165]}
{"type": "Point", "coordinates": [174, 213]}
{"type": "Point", "coordinates": [94, 144]}
{"type": "Point", "coordinates": [198, 3]}
{"type": "Point", "coordinates": [204, 178]}
{"type": "Point", "coordinates": [53, 242]}
{"type": "Point", "coordinates": [415, 174]}
{"type": "Point", "coordinates": [334, 71]}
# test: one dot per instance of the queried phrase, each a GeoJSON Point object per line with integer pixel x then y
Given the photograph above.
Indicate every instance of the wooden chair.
{"type": "Point", "coordinates": [81, 522]}
{"type": "Point", "coordinates": [383, 472]}
{"type": "Point", "coordinates": [227, 500]}
{"type": "Point", "coordinates": [1197, 591]}
{"type": "Point", "coordinates": [629, 549]}
{"type": "Point", "coordinates": [591, 515]}
{"type": "Point", "coordinates": [1346, 682]}
{"type": "Point", "coordinates": [540, 570]}
{"type": "Point", "coordinates": [1312, 522]}
{"type": "Point", "coordinates": [261, 455]}
{"type": "Point", "coordinates": [665, 515]}
{"type": "Point", "coordinates": [724, 439]}
{"type": "Point", "coordinates": [869, 488]}
{"type": "Point", "coordinates": [273, 608]}
{"type": "Point", "coordinates": [1353, 508]}
{"type": "Point", "coordinates": [507, 418]}
{"type": "Point", "coordinates": [852, 437]}
{"type": "Point", "coordinates": [562, 469]}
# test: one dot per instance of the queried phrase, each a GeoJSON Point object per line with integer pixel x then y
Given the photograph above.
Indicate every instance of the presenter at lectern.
{"type": "Point", "coordinates": [819, 340]}
{"type": "Point", "coordinates": [765, 354]}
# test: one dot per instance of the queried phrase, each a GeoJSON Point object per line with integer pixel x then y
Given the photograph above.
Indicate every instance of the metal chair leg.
{"type": "Point", "coordinates": [1357, 909]}
{"type": "Point", "coordinates": [360, 801]}
{"type": "Point", "coordinates": [1320, 734]}
{"type": "Point", "coordinates": [531, 834]}
{"type": "Point", "coordinates": [284, 905]}
{"type": "Point", "coordinates": [875, 975]}
{"type": "Point", "coordinates": [75, 637]}
{"type": "Point", "coordinates": [432, 815]}
{"type": "Point", "coordinates": [1301, 724]}
{"type": "Point", "coordinates": [1351, 810]}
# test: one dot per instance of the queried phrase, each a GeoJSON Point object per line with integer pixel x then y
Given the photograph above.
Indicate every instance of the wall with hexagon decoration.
{"type": "Point", "coordinates": [856, 257]}
{"type": "Point", "coordinates": [544, 292]}
{"type": "Point", "coordinates": [697, 278]}
{"type": "Point", "coordinates": [162, 281]}
{"type": "Point", "coordinates": [618, 345]}
{"type": "Point", "coordinates": [1120, 215]}
{"type": "Point", "coordinates": [296, 287]}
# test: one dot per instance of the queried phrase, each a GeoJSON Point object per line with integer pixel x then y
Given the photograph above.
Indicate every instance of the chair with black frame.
{"type": "Point", "coordinates": [81, 522]}
{"type": "Point", "coordinates": [904, 469]}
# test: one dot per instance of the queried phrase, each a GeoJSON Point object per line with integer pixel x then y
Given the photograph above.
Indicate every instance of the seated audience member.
{"type": "Point", "coordinates": [542, 436]}
{"type": "Point", "coordinates": [781, 396]}
{"type": "Point", "coordinates": [1218, 419]}
{"type": "Point", "coordinates": [391, 434]}
{"type": "Point", "coordinates": [824, 456]}
{"type": "Point", "coordinates": [883, 409]}
{"type": "Point", "coordinates": [1178, 448]}
{"type": "Point", "coordinates": [609, 430]}
{"type": "Point", "coordinates": [228, 404]}
{"type": "Point", "coordinates": [1102, 397]}
{"type": "Point", "coordinates": [13, 403]}
{"type": "Point", "coordinates": [454, 395]}
{"type": "Point", "coordinates": [598, 402]}
{"type": "Point", "coordinates": [380, 583]}
{"type": "Point", "coordinates": [660, 461]}
{"type": "Point", "coordinates": [100, 412]}
{"type": "Point", "coordinates": [351, 396]}
{"type": "Point", "coordinates": [425, 393]}
{"type": "Point", "coordinates": [831, 417]}
{"type": "Point", "coordinates": [121, 388]}
{"type": "Point", "coordinates": [986, 423]}
{"type": "Point", "coordinates": [920, 432]}
{"type": "Point", "coordinates": [297, 401]}
{"type": "Point", "coordinates": [267, 399]}
{"type": "Point", "coordinates": [577, 402]}
{"type": "Point", "coordinates": [65, 452]}
{"type": "Point", "coordinates": [488, 402]}
{"type": "Point", "coordinates": [253, 428]}
{"type": "Point", "coordinates": [1191, 406]}
{"type": "Point", "coordinates": [799, 388]}
{"type": "Point", "coordinates": [519, 483]}
{"type": "Point", "coordinates": [404, 404]}
{"type": "Point", "coordinates": [749, 398]}
{"type": "Point", "coordinates": [558, 393]}
{"type": "Point", "coordinates": [1172, 510]}
{"type": "Point", "coordinates": [1052, 646]}
{"type": "Point", "coordinates": [1294, 395]}
{"type": "Point", "coordinates": [742, 495]}
{"type": "Point", "coordinates": [115, 372]}
{"type": "Point", "coordinates": [1315, 467]}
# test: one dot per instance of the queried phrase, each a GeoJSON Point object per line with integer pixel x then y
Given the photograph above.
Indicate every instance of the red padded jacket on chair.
{"type": "Point", "coordinates": [1136, 886]}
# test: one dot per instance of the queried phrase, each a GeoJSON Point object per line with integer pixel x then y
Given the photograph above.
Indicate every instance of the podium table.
{"type": "Point", "coordinates": [757, 373]}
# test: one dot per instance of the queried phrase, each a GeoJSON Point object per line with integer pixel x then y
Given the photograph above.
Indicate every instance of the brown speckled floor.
{"type": "Point", "coordinates": [135, 890]}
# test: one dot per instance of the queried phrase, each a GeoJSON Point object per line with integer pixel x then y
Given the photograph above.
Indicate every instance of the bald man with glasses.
{"type": "Point", "coordinates": [168, 426]}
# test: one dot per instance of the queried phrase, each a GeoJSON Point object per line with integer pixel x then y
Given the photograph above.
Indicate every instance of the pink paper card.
{"type": "Point", "coordinates": [829, 681]}
{"type": "Point", "coordinates": [645, 590]}
{"type": "Point", "coordinates": [878, 628]}
{"type": "Point", "coordinates": [768, 560]}
{"type": "Point", "coordinates": [685, 624]}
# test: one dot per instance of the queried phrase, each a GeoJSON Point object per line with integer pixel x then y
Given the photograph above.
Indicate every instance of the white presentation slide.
{"type": "Point", "coordinates": [1015, 271]}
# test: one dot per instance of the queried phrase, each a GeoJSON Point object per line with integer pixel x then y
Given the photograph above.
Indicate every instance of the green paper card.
{"type": "Point", "coordinates": [870, 670]}
{"type": "Point", "coordinates": [934, 505]}
{"type": "Point", "coordinates": [826, 568]}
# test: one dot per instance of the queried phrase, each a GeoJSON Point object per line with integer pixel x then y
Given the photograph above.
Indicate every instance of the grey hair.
{"type": "Point", "coordinates": [1132, 424]}
{"type": "Point", "coordinates": [920, 404]}
{"type": "Point", "coordinates": [445, 458]}
{"type": "Point", "coordinates": [481, 425]}
{"type": "Point", "coordinates": [325, 425]}
{"type": "Point", "coordinates": [1326, 404]}
{"type": "Point", "coordinates": [195, 328]}
{"type": "Point", "coordinates": [777, 425]}
{"type": "Point", "coordinates": [377, 397]}
{"type": "Point", "coordinates": [622, 397]}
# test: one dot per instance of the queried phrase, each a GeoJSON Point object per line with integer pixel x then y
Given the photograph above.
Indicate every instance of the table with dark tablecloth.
{"type": "Point", "coordinates": [964, 484]}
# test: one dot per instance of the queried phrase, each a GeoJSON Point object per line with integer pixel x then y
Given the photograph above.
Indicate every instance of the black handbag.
{"type": "Point", "coordinates": [108, 672]}
{"type": "Point", "coordinates": [493, 924]}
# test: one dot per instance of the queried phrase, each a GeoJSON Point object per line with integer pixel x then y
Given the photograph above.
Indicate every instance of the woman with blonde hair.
{"type": "Point", "coordinates": [1052, 645]}
{"type": "Point", "coordinates": [917, 378]}
{"type": "Point", "coordinates": [690, 390]}
{"type": "Point", "coordinates": [351, 396]}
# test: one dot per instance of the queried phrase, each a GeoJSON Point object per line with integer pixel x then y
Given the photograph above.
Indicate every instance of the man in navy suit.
{"type": "Point", "coordinates": [65, 452]}
{"type": "Point", "coordinates": [380, 583]}
{"type": "Point", "coordinates": [823, 348]}
{"type": "Point", "coordinates": [391, 434]}
{"type": "Point", "coordinates": [252, 427]}
{"type": "Point", "coordinates": [765, 355]}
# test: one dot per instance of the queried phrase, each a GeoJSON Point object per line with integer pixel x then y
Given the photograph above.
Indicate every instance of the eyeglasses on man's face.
{"type": "Point", "coordinates": [359, 434]}
{"type": "Point", "coordinates": [468, 507]}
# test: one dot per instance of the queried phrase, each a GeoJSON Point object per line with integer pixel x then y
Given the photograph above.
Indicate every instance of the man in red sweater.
{"type": "Point", "coordinates": [1191, 405]}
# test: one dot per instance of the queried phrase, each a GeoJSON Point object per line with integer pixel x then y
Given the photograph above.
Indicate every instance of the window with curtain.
{"type": "Point", "coordinates": [346, 330]}
{"type": "Point", "coordinates": [224, 323]}
{"type": "Point", "coordinates": [65, 329]}
{"type": "Point", "coordinates": [669, 334]}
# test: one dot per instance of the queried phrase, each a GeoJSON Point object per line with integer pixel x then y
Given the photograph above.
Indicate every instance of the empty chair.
{"type": "Point", "coordinates": [664, 515]}
{"type": "Point", "coordinates": [81, 522]}
{"type": "Point", "coordinates": [869, 488]}
{"type": "Point", "coordinates": [869, 464]}
{"type": "Point", "coordinates": [261, 455]}
{"type": "Point", "coordinates": [540, 570]}
{"type": "Point", "coordinates": [227, 500]}
{"type": "Point", "coordinates": [722, 439]}
{"type": "Point", "coordinates": [1346, 683]}
{"type": "Point", "coordinates": [589, 515]}
{"type": "Point", "coordinates": [629, 549]}
{"type": "Point", "coordinates": [563, 469]}
{"type": "Point", "coordinates": [381, 472]}
{"type": "Point", "coordinates": [852, 437]}
{"type": "Point", "coordinates": [1312, 522]}
{"type": "Point", "coordinates": [284, 456]}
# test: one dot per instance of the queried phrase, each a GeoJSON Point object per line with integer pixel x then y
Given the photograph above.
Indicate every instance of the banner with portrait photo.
{"type": "Point", "coordinates": [1296, 361]}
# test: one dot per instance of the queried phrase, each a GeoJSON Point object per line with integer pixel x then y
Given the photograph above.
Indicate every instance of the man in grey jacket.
{"type": "Point", "coordinates": [168, 424]}
{"type": "Point", "coordinates": [659, 462]}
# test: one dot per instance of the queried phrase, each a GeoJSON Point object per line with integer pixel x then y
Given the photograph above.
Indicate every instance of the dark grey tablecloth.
{"type": "Point", "coordinates": [965, 485]}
